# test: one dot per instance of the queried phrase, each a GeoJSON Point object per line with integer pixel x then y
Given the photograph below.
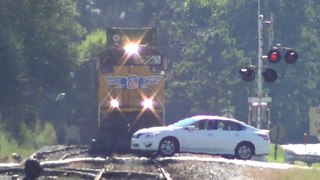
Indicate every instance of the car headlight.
{"type": "Point", "coordinates": [147, 135]}
{"type": "Point", "coordinates": [152, 135]}
{"type": "Point", "coordinates": [137, 135]}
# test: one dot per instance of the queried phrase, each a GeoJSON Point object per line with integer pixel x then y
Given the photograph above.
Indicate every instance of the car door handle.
{"type": "Point", "coordinates": [210, 134]}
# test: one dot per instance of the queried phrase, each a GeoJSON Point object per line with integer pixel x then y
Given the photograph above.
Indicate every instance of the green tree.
{"type": "Point", "coordinates": [93, 44]}
{"type": "Point", "coordinates": [38, 45]}
{"type": "Point", "coordinates": [205, 57]}
{"type": "Point", "coordinates": [297, 88]}
{"type": "Point", "coordinates": [207, 42]}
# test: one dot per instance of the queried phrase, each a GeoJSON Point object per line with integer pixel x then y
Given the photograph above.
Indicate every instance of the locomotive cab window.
{"type": "Point", "coordinates": [150, 60]}
{"type": "Point", "coordinates": [110, 60]}
{"type": "Point", "coordinates": [135, 59]}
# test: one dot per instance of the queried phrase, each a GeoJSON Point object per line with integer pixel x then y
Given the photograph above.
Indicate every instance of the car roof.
{"type": "Point", "coordinates": [221, 118]}
{"type": "Point", "coordinates": [200, 117]}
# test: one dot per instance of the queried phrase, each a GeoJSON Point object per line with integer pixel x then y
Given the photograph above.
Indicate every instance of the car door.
{"type": "Point", "coordinates": [226, 138]}
{"type": "Point", "coordinates": [194, 138]}
{"type": "Point", "coordinates": [216, 134]}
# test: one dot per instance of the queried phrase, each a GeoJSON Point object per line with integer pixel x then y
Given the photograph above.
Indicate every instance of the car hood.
{"type": "Point", "coordinates": [157, 129]}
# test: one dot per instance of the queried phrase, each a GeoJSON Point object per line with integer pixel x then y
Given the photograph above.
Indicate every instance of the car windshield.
{"type": "Point", "coordinates": [183, 123]}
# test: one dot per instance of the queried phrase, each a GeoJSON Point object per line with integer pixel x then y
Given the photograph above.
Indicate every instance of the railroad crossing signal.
{"type": "Point", "coordinates": [314, 121]}
{"type": "Point", "coordinates": [291, 56]}
{"type": "Point", "coordinates": [274, 55]}
{"type": "Point", "coordinates": [247, 74]}
{"type": "Point", "coordinates": [270, 75]}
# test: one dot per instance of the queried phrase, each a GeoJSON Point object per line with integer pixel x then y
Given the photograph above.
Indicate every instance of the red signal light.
{"type": "Point", "coordinates": [291, 56]}
{"type": "Point", "coordinates": [274, 56]}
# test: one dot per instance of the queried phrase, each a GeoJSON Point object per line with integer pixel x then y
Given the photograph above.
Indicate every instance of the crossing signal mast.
{"type": "Point", "coordinates": [259, 107]}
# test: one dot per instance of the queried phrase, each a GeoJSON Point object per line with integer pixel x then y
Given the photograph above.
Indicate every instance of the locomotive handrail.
{"type": "Point", "coordinates": [162, 105]}
{"type": "Point", "coordinates": [99, 109]}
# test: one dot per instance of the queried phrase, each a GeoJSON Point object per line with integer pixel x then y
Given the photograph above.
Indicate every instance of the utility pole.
{"type": "Point", "coordinates": [259, 108]}
{"type": "Point", "coordinates": [260, 66]}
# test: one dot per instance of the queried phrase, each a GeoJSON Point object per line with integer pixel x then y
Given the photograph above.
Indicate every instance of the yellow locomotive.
{"type": "Point", "coordinates": [131, 74]}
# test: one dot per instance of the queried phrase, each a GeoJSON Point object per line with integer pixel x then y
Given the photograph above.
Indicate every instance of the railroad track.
{"type": "Point", "coordinates": [70, 162]}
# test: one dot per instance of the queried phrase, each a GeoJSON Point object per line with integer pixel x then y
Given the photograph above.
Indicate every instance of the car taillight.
{"type": "Point", "coordinates": [264, 136]}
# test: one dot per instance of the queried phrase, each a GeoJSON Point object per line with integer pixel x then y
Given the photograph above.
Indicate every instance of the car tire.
{"type": "Point", "coordinates": [244, 151]}
{"type": "Point", "coordinates": [168, 147]}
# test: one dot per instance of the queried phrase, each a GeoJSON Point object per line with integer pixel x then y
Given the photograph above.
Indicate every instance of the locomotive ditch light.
{"type": "Point", "coordinates": [132, 48]}
{"type": "Point", "coordinates": [270, 75]}
{"type": "Point", "coordinates": [247, 74]}
{"type": "Point", "coordinates": [291, 56]}
{"type": "Point", "coordinates": [274, 56]}
{"type": "Point", "coordinates": [147, 104]}
{"type": "Point", "coordinates": [114, 103]}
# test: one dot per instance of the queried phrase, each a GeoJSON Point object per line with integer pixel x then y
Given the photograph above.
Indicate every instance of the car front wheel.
{"type": "Point", "coordinates": [168, 147]}
{"type": "Point", "coordinates": [244, 151]}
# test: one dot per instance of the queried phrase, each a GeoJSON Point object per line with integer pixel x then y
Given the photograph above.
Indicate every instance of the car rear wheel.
{"type": "Point", "coordinates": [168, 147]}
{"type": "Point", "coordinates": [244, 151]}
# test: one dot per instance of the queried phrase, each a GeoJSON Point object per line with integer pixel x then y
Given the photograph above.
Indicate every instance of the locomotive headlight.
{"type": "Point", "coordinates": [132, 48]}
{"type": "Point", "coordinates": [114, 103]}
{"type": "Point", "coordinates": [147, 104]}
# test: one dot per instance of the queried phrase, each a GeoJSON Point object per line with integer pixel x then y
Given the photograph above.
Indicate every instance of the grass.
{"type": "Point", "coordinates": [29, 141]}
{"type": "Point", "coordinates": [280, 174]}
{"type": "Point", "coordinates": [7, 147]}
{"type": "Point", "coordinates": [10, 146]}
{"type": "Point", "coordinates": [301, 172]}
{"type": "Point", "coordinates": [279, 157]}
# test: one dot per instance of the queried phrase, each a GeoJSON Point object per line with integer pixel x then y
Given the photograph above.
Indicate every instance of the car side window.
{"type": "Point", "coordinates": [219, 125]}
{"type": "Point", "coordinates": [200, 125]}
{"type": "Point", "coordinates": [212, 125]}
{"type": "Point", "coordinates": [233, 126]}
{"type": "Point", "coordinates": [240, 127]}
{"type": "Point", "coordinates": [215, 125]}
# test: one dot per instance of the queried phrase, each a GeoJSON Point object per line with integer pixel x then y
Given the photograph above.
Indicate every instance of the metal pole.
{"type": "Point", "coordinates": [260, 44]}
{"type": "Point", "coordinates": [270, 32]}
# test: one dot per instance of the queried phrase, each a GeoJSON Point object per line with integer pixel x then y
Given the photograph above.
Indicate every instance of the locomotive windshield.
{"type": "Point", "coordinates": [134, 59]}
{"type": "Point", "coordinates": [119, 57]}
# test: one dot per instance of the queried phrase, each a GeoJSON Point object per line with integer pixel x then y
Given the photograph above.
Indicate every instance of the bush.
{"type": "Point", "coordinates": [7, 145]}
{"type": "Point", "coordinates": [39, 137]}
{"type": "Point", "coordinates": [29, 140]}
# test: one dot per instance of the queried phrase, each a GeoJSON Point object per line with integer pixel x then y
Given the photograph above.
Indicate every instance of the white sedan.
{"type": "Point", "coordinates": [203, 134]}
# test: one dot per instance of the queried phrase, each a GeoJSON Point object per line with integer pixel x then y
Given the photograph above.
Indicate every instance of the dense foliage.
{"type": "Point", "coordinates": [206, 41]}
{"type": "Point", "coordinates": [38, 52]}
